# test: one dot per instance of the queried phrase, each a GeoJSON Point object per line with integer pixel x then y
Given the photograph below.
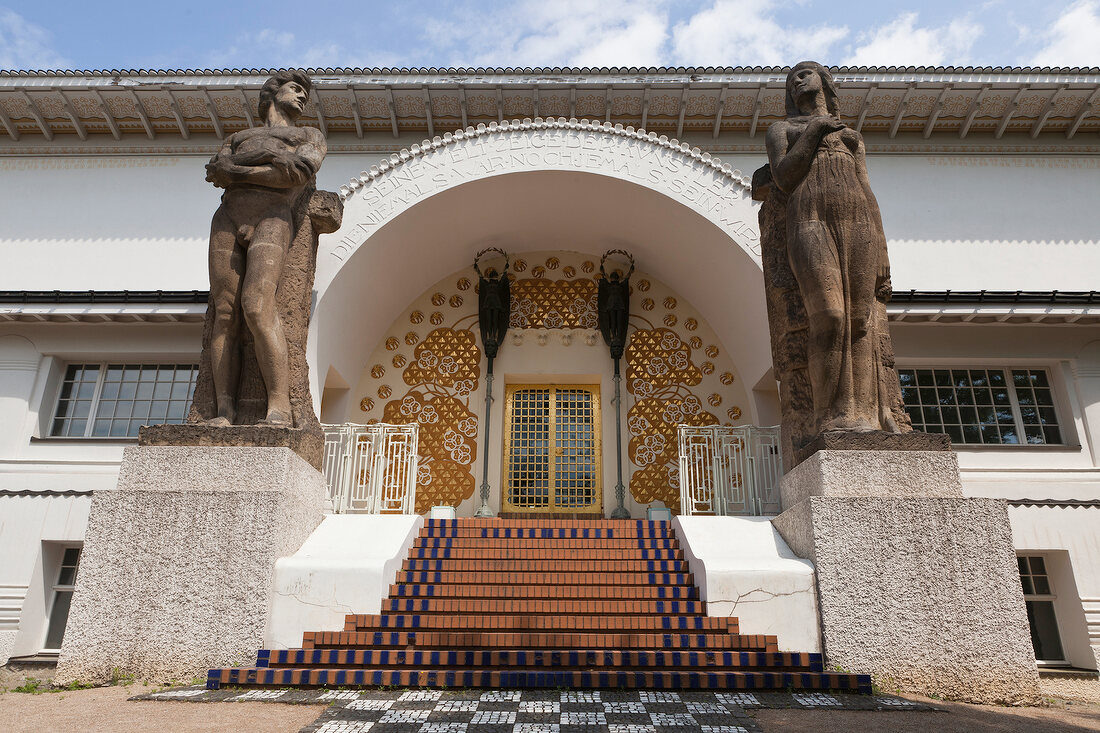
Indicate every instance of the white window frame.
{"type": "Point", "coordinates": [1052, 597]}
{"type": "Point", "coordinates": [1062, 410]}
{"type": "Point", "coordinates": [97, 393]}
{"type": "Point", "coordinates": [55, 587]}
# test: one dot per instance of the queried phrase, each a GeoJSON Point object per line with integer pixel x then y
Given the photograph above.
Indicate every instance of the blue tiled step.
{"type": "Point", "coordinates": [535, 566]}
{"type": "Point", "coordinates": [505, 590]}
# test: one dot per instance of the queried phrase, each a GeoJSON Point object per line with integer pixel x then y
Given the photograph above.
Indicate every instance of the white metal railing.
{"type": "Point", "coordinates": [726, 470]}
{"type": "Point", "coordinates": [371, 468]}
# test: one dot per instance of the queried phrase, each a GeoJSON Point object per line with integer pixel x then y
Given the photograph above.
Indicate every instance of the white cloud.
{"type": "Point", "coordinates": [903, 43]}
{"type": "Point", "coordinates": [745, 32]}
{"type": "Point", "coordinates": [563, 33]}
{"type": "Point", "coordinates": [1073, 39]}
{"type": "Point", "coordinates": [24, 45]}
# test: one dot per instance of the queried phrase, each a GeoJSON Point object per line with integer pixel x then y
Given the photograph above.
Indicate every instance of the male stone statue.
{"type": "Point", "coordinates": [265, 172]}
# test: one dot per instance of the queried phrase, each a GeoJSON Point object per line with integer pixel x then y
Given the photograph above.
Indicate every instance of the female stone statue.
{"type": "Point", "coordinates": [837, 252]}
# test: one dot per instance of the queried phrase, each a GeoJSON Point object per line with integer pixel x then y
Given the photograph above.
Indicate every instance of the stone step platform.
{"type": "Point", "coordinates": [715, 640]}
{"type": "Point", "coordinates": [553, 554]}
{"type": "Point", "coordinates": [573, 592]}
{"type": "Point", "coordinates": [531, 622]}
{"type": "Point", "coordinates": [558, 578]}
{"type": "Point", "coordinates": [546, 566]}
{"type": "Point", "coordinates": [592, 679]}
{"type": "Point", "coordinates": [547, 606]}
{"type": "Point", "coordinates": [523, 658]}
{"type": "Point", "coordinates": [544, 528]}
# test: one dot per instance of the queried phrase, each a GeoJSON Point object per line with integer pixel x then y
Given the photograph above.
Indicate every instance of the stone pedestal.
{"type": "Point", "coordinates": [177, 566]}
{"type": "Point", "coordinates": [920, 591]}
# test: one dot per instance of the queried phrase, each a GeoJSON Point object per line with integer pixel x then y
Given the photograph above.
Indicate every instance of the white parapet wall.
{"type": "Point", "coordinates": [744, 568]}
{"type": "Point", "coordinates": [346, 566]}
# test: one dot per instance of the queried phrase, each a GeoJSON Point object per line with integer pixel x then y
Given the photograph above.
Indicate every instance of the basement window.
{"type": "Point", "coordinates": [114, 400]}
{"type": "Point", "coordinates": [1039, 598]}
{"type": "Point", "coordinates": [62, 598]}
{"type": "Point", "coordinates": [983, 406]}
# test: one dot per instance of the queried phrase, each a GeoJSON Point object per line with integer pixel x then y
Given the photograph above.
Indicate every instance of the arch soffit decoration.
{"type": "Point", "coordinates": [696, 179]}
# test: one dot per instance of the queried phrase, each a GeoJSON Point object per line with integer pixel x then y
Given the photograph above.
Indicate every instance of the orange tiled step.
{"type": "Point", "coordinates": [559, 555]}
{"type": "Point", "coordinates": [558, 658]}
{"type": "Point", "coordinates": [535, 640]}
{"type": "Point", "coordinates": [573, 592]}
{"type": "Point", "coordinates": [570, 577]}
{"type": "Point", "coordinates": [399, 622]}
{"type": "Point", "coordinates": [456, 543]}
{"type": "Point", "coordinates": [545, 566]}
{"type": "Point", "coordinates": [686, 680]}
{"type": "Point", "coordinates": [542, 606]}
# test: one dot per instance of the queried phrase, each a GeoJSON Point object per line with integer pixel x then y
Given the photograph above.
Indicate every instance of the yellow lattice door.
{"type": "Point", "coordinates": [552, 449]}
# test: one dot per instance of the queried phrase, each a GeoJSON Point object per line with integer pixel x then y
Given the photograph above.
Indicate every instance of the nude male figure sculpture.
{"type": "Point", "coordinates": [264, 171]}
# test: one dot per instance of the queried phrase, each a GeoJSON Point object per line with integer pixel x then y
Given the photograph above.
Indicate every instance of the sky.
{"type": "Point", "coordinates": [520, 33]}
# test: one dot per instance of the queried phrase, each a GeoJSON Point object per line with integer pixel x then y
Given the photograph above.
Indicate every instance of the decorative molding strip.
{"type": "Point", "coordinates": [1060, 503]}
{"type": "Point", "coordinates": [427, 146]}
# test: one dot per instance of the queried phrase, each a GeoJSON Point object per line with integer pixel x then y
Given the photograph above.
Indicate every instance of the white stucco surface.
{"type": "Point", "coordinates": [346, 566]}
{"type": "Point", "coordinates": [744, 568]}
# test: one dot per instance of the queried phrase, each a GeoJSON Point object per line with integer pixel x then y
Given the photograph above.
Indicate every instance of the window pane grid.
{"type": "Point", "coordinates": [982, 406]}
{"type": "Point", "coordinates": [575, 469]}
{"type": "Point", "coordinates": [129, 396]}
{"type": "Point", "coordinates": [529, 458]}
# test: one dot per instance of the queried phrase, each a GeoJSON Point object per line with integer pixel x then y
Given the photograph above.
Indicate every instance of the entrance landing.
{"type": "Point", "coordinates": [512, 603]}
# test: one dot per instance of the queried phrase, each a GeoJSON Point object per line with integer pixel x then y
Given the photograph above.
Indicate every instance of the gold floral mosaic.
{"type": "Point", "coordinates": [428, 370]}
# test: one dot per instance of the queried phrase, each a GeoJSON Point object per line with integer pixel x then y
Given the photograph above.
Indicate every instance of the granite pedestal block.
{"type": "Point", "coordinates": [922, 592]}
{"type": "Point", "coordinates": [178, 559]}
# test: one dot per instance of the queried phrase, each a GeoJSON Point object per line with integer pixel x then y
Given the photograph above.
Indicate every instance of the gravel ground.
{"type": "Point", "coordinates": [1059, 717]}
{"type": "Point", "coordinates": [106, 710]}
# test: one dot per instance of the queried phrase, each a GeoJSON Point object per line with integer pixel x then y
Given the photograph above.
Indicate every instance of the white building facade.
{"type": "Point", "coordinates": [987, 181]}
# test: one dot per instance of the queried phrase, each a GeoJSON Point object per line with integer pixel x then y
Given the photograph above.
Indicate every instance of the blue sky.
{"type": "Point", "coordinates": [164, 35]}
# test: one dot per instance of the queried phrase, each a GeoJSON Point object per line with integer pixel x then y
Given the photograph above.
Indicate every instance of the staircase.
{"type": "Point", "coordinates": [541, 603]}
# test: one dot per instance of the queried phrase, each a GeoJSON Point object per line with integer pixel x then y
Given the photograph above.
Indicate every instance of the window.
{"type": "Point", "coordinates": [114, 400]}
{"type": "Point", "coordinates": [62, 597]}
{"type": "Point", "coordinates": [982, 406]}
{"type": "Point", "coordinates": [1039, 598]}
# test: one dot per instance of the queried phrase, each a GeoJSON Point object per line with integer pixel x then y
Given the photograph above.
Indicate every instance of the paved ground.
{"type": "Point", "coordinates": [528, 711]}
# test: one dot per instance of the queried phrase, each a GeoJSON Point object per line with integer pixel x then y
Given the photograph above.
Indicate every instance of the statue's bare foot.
{"type": "Point", "coordinates": [219, 422]}
{"type": "Point", "coordinates": [276, 418]}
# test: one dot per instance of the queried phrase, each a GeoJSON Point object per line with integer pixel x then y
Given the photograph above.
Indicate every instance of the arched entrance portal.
{"type": "Point", "coordinates": [537, 187]}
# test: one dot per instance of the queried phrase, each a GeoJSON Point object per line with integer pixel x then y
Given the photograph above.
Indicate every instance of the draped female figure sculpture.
{"type": "Point", "coordinates": [836, 250]}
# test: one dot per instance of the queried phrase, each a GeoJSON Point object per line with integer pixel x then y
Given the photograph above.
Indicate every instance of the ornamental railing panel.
{"type": "Point", "coordinates": [371, 469]}
{"type": "Point", "coordinates": [730, 470]}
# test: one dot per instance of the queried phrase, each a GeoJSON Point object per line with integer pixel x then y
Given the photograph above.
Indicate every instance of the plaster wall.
{"type": "Point", "coordinates": [1070, 541]}
{"type": "Point", "coordinates": [32, 529]}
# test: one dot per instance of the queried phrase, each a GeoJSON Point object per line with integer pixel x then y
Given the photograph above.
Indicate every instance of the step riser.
{"type": "Point", "coordinates": [717, 641]}
{"type": "Point", "coordinates": [522, 592]}
{"type": "Point", "coordinates": [548, 606]}
{"type": "Point", "coordinates": [299, 658]}
{"type": "Point", "coordinates": [546, 566]}
{"type": "Point", "coordinates": [544, 544]}
{"type": "Point", "coordinates": [530, 679]}
{"type": "Point", "coordinates": [455, 577]}
{"type": "Point", "coordinates": [567, 557]}
{"type": "Point", "coordinates": [610, 624]}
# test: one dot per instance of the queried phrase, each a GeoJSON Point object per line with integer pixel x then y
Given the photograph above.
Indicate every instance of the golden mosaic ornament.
{"type": "Point", "coordinates": [568, 303]}
{"type": "Point", "coordinates": [661, 359]}
{"type": "Point", "coordinates": [647, 304]}
{"type": "Point", "coordinates": [456, 301]}
{"type": "Point", "coordinates": [384, 391]}
{"type": "Point", "coordinates": [392, 344]}
{"type": "Point", "coordinates": [696, 342]}
{"type": "Point", "coordinates": [416, 317]}
{"type": "Point", "coordinates": [438, 299]}
{"type": "Point", "coordinates": [366, 404]}
{"type": "Point", "coordinates": [691, 324]}
{"type": "Point", "coordinates": [411, 338]}
{"type": "Point", "coordinates": [734, 413]}
{"type": "Point", "coordinates": [446, 357]}
{"type": "Point", "coordinates": [726, 378]}
{"type": "Point", "coordinates": [706, 367]}
{"type": "Point", "coordinates": [711, 351]}
{"type": "Point", "coordinates": [399, 361]}
{"type": "Point", "coordinates": [670, 303]}
{"type": "Point", "coordinates": [436, 318]}
{"type": "Point", "coordinates": [569, 271]}
{"type": "Point", "coordinates": [670, 320]}
{"type": "Point", "coordinates": [463, 283]}
{"type": "Point", "coordinates": [588, 266]}
{"type": "Point", "coordinates": [519, 265]}
{"type": "Point", "coordinates": [378, 371]}
{"type": "Point", "coordinates": [538, 271]}
{"type": "Point", "coordinates": [643, 285]}
{"type": "Point", "coordinates": [552, 263]}
{"type": "Point", "coordinates": [714, 400]}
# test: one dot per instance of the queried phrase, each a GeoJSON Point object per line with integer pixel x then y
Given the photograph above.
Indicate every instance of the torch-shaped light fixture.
{"type": "Point", "coordinates": [613, 303]}
{"type": "Point", "coordinates": [494, 309]}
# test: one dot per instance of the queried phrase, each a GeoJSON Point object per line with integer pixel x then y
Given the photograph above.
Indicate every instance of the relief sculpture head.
{"type": "Point", "coordinates": [289, 89]}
